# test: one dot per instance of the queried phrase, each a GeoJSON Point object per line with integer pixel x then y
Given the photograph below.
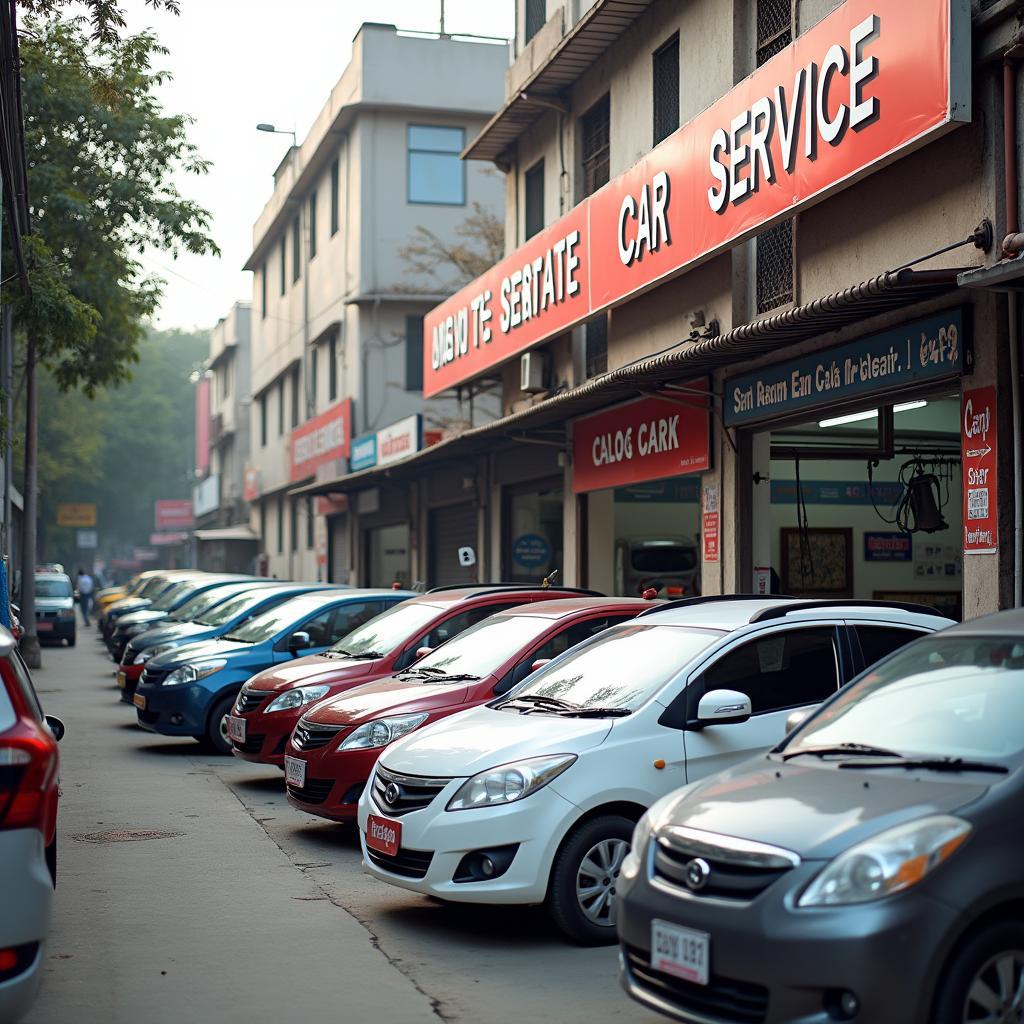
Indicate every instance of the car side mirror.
{"type": "Point", "coordinates": [56, 726]}
{"type": "Point", "coordinates": [539, 663]}
{"type": "Point", "coordinates": [299, 641]}
{"type": "Point", "coordinates": [797, 718]}
{"type": "Point", "coordinates": [422, 652]}
{"type": "Point", "coordinates": [723, 707]}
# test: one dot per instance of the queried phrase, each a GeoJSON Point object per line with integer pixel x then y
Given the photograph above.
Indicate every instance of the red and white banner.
{"type": "Point", "coordinates": [710, 522]}
{"type": "Point", "coordinates": [643, 440]}
{"type": "Point", "coordinates": [173, 514]}
{"type": "Point", "coordinates": [203, 424]}
{"type": "Point", "coordinates": [980, 450]}
{"type": "Point", "coordinates": [325, 437]}
{"type": "Point", "coordinates": [162, 540]}
{"type": "Point", "coordinates": [251, 483]}
{"type": "Point", "coordinates": [869, 83]}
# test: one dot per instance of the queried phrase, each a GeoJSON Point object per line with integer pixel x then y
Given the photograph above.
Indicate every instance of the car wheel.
{"type": "Point", "coordinates": [985, 979]}
{"type": "Point", "coordinates": [71, 640]}
{"type": "Point", "coordinates": [581, 893]}
{"type": "Point", "coordinates": [216, 738]}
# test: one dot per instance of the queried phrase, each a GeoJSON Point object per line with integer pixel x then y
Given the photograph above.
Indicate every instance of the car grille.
{"type": "Point", "coordinates": [253, 744]}
{"type": "Point", "coordinates": [153, 676]}
{"type": "Point", "coordinates": [726, 868]}
{"type": "Point", "coordinates": [310, 737]}
{"type": "Point", "coordinates": [722, 999]}
{"type": "Point", "coordinates": [414, 792]}
{"type": "Point", "coordinates": [408, 863]}
{"type": "Point", "coordinates": [250, 700]}
{"type": "Point", "coordinates": [315, 791]}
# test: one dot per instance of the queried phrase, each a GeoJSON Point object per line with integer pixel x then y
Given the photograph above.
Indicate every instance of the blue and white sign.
{"type": "Point", "coordinates": [888, 546]}
{"type": "Point", "coordinates": [883, 493]}
{"type": "Point", "coordinates": [364, 452]}
{"type": "Point", "coordinates": [531, 551]}
{"type": "Point", "coordinates": [921, 351]}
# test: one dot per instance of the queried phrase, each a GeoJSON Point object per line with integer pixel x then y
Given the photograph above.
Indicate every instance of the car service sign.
{"type": "Point", "coordinates": [324, 438]}
{"type": "Point", "coordinates": [980, 451]}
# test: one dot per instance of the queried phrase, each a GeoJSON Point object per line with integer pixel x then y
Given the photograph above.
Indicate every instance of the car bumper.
{"type": "Point", "coordinates": [777, 964]}
{"type": "Point", "coordinates": [266, 736]}
{"type": "Point", "coordinates": [334, 782]}
{"type": "Point", "coordinates": [128, 679]}
{"type": "Point", "coordinates": [55, 629]}
{"type": "Point", "coordinates": [172, 710]}
{"type": "Point", "coordinates": [535, 826]}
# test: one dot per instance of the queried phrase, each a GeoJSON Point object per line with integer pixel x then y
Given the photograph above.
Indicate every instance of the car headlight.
{"type": "Point", "coordinates": [641, 835]}
{"type": "Point", "coordinates": [297, 698]}
{"type": "Point", "coordinates": [136, 628]}
{"type": "Point", "coordinates": [192, 673]}
{"type": "Point", "coordinates": [887, 863]}
{"type": "Point", "coordinates": [381, 732]}
{"type": "Point", "coordinates": [150, 652]}
{"type": "Point", "coordinates": [509, 782]}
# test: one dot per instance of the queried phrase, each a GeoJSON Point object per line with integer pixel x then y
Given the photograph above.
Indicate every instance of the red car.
{"type": "Point", "coordinates": [271, 702]}
{"type": "Point", "coordinates": [334, 747]}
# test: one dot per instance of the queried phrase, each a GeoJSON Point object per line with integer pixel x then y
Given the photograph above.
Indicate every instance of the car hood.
{"type": "Point", "coordinates": [388, 695]}
{"type": "Point", "coordinates": [200, 651]}
{"type": "Point", "coordinates": [133, 618]}
{"type": "Point", "coordinates": [310, 670]}
{"type": "Point", "coordinates": [481, 738]}
{"type": "Point", "coordinates": [178, 631]}
{"type": "Point", "coordinates": [815, 810]}
{"type": "Point", "coordinates": [128, 604]}
{"type": "Point", "coordinates": [50, 604]}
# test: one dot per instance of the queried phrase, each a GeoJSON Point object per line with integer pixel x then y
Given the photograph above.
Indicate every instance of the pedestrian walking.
{"type": "Point", "coordinates": [85, 588]}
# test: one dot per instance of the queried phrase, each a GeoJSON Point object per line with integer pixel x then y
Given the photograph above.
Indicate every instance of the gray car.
{"type": "Point", "coordinates": [868, 869]}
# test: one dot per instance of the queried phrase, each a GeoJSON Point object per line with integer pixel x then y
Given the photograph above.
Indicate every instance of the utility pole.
{"type": "Point", "coordinates": [442, 20]}
{"type": "Point", "coordinates": [30, 640]}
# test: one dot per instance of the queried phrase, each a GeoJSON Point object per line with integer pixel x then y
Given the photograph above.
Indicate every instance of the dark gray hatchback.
{"type": "Point", "coordinates": [869, 869]}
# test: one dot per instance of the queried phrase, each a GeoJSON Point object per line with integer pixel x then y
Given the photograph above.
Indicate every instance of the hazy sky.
{"type": "Point", "coordinates": [239, 62]}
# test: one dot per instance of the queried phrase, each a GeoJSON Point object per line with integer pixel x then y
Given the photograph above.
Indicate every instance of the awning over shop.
{"type": "Point", "coordinates": [683, 361]}
{"type": "Point", "coordinates": [241, 532]}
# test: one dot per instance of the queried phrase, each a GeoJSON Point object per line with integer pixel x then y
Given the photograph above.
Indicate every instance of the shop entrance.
{"type": "Point", "coordinates": [863, 503]}
{"type": "Point", "coordinates": [386, 552]}
{"type": "Point", "coordinates": [532, 544]}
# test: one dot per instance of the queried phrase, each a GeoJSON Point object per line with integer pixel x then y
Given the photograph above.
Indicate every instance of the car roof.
{"type": "Point", "coordinates": [571, 606]}
{"type": "Point", "coordinates": [443, 597]}
{"type": "Point", "coordinates": [996, 624]}
{"type": "Point", "coordinates": [52, 576]}
{"type": "Point", "coordinates": [330, 596]}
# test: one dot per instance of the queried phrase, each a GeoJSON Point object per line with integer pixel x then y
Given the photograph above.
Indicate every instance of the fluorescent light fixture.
{"type": "Point", "coordinates": [871, 414]}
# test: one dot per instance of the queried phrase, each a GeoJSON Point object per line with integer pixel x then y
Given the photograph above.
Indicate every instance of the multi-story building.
{"type": "Point", "coordinates": [224, 538]}
{"type": "Point", "coordinates": [755, 328]}
{"type": "Point", "coordinates": [337, 322]}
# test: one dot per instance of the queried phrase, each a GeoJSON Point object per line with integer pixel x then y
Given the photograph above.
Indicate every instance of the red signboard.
{"type": "Point", "coordinates": [203, 424]}
{"type": "Point", "coordinates": [868, 83]}
{"type": "Point", "coordinates": [709, 523]}
{"type": "Point", "coordinates": [159, 540]}
{"type": "Point", "coordinates": [980, 450]}
{"type": "Point", "coordinates": [326, 437]}
{"type": "Point", "coordinates": [643, 440]}
{"type": "Point", "coordinates": [251, 483]}
{"type": "Point", "coordinates": [174, 514]}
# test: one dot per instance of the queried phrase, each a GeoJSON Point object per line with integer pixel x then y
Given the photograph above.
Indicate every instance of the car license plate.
{"type": "Point", "coordinates": [42, 626]}
{"type": "Point", "coordinates": [682, 952]}
{"type": "Point", "coordinates": [383, 835]}
{"type": "Point", "coordinates": [139, 701]}
{"type": "Point", "coordinates": [294, 771]}
{"type": "Point", "coordinates": [122, 680]}
{"type": "Point", "coordinates": [236, 729]}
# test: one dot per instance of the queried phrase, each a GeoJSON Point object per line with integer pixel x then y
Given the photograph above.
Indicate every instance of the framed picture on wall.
{"type": "Point", "coordinates": [817, 562]}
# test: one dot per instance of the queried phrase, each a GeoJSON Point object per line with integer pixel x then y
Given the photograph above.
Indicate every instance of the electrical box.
{"type": "Point", "coordinates": [533, 372]}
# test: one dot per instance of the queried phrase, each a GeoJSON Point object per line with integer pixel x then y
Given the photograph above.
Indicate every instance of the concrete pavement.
{"type": "Point", "coordinates": [246, 910]}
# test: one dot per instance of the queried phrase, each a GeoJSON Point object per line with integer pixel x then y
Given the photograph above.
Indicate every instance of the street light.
{"type": "Point", "coordinates": [277, 131]}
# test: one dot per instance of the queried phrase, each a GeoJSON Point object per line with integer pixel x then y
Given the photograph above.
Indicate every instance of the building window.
{"type": "Point", "coordinates": [595, 339]}
{"type": "Point", "coordinates": [595, 132]}
{"type": "Point", "coordinates": [263, 525]}
{"type": "Point", "coordinates": [296, 398]}
{"type": "Point", "coordinates": [280, 407]}
{"type": "Point", "coordinates": [414, 353]}
{"type": "Point", "coordinates": [263, 292]}
{"type": "Point", "coordinates": [332, 368]}
{"type": "Point", "coordinates": [666, 89]}
{"type": "Point", "coordinates": [535, 18]}
{"type": "Point", "coordinates": [314, 374]}
{"type": "Point", "coordinates": [296, 249]}
{"type": "Point", "coordinates": [312, 224]}
{"type": "Point", "coordinates": [284, 260]}
{"type": "Point", "coordinates": [335, 178]}
{"type": "Point", "coordinates": [534, 189]}
{"type": "Point", "coordinates": [436, 174]}
{"type": "Point", "coordinates": [309, 523]}
{"type": "Point", "coordinates": [774, 28]}
{"type": "Point", "coordinates": [294, 524]}
{"type": "Point", "coordinates": [263, 420]}
{"type": "Point", "coordinates": [225, 380]}
{"type": "Point", "coordinates": [280, 524]}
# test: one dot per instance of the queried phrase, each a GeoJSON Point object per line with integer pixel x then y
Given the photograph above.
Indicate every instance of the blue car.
{"type": "Point", "coordinates": [189, 691]}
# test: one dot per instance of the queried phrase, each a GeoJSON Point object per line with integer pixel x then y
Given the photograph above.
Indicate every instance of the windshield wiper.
{"type": "Point", "coordinates": [548, 703]}
{"type": "Point", "coordinates": [594, 713]}
{"type": "Point", "coordinates": [237, 639]}
{"type": "Point", "coordinates": [337, 652]}
{"type": "Point", "coordinates": [843, 749]}
{"type": "Point", "coordinates": [933, 764]}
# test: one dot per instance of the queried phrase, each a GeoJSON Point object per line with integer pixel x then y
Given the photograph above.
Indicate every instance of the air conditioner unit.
{"type": "Point", "coordinates": [533, 372]}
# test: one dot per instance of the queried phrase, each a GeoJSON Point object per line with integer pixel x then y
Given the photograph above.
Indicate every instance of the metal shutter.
{"type": "Point", "coordinates": [451, 528]}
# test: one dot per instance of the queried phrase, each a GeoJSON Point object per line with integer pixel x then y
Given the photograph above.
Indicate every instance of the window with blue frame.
{"type": "Point", "coordinates": [436, 174]}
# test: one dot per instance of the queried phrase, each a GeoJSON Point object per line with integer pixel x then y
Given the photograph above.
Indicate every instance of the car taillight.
{"type": "Point", "coordinates": [27, 767]}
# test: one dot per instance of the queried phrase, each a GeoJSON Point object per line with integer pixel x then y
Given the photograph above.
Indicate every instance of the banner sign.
{"type": "Point", "coordinates": [173, 514]}
{"type": "Point", "coordinates": [399, 440]}
{"type": "Point", "coordinates": [642, 440]}
{"type": "Point", "coordinates": [837, 492]}
{"type": "Point", "coordinates": [869, 83]}
{"type": "Point", "coordinates": [914, 353]}
{"type": "Point", "coordinates": [78, 514]}
{"type": "Point", "coordinates": [980, 451]}
{"type": "Point", "coordinates": [683, 490]}
{"type": "Point", "coordinates": [251, 483]}
{"type": "Point", "coordinates": [710, 523]}
{"type": "Point", "coordinates": [323, 438]}
{"type": "Point", "coordinates": [364, 453]}
{"type": "Point", "coordinates": [164, 540]}
{"type": "Point", "coordinates": [888, 546]}
{"type": "Point", "coordinates": [88, 539]}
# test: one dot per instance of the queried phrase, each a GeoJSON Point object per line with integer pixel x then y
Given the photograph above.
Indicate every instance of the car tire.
{"type": "Point", "coordinates": [216, 738]}
{"type": "Point", "coordinates": [581, 891]}
{"type": "Point", "coordinates": [71, 640]}
{"type": "Point", "coordinates": [975, 963]}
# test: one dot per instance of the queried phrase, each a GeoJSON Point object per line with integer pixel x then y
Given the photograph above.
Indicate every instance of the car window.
{"type": "Point", "coordinates": [320, 628]}
{"type": "Point", "coordinates": [7, 715]}
{"type": "Point", "coordinates": [575, 634]}
{"type": "Point", "coordinates": [782, 670]}
{"type": "Point", "coordinates": [220, 614]}
{"type": "Point", "coordinates": [877, 642]}
{"type": "Point", "coordinates": [456, 624]}
{"type": "Point", "coordinates": [53, 588]}
{"type": "Point", "coordinates": [353, 615]}
{"type": "Point", "coordinates": [18, 674]}
{"type": "Point", "coordinates": [196, 606]}
{"type": "Point", "coordinates": [484, 648]}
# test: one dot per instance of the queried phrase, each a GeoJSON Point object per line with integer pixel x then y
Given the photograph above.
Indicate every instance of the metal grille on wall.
{"type": "Point", "coordinates": [666, 89]}
{"type": "Point", "coordinates": [774, 28]}
{"type": "Point", "coordinates": [596, 339]}
{"type": "Point", "coordinates": [535, 11]}
{"type": "Point", "coordinates": [595, 125]}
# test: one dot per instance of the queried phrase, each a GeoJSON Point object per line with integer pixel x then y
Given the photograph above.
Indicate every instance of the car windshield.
{"type": "Point", "coordinates": [621, 667]}
{"type": "Point", "coordinates": [53, 588]}
{"type": "Point", "coordinates": [196, 606]}
{"type": "Point", "coordinates": [272, 622]}
{"type": "Point", "coordinates": [664, 556]}
{"type": "Point", "coordinates": [172, 595]}
{"type": "Point", "coordinates": [955, 696]}
{"type": "Point", "coordinates": [153, 587]}
{"type": "Point", "coordinates": [386, 631]}
{"type": "Point", "coordinates": [485, 647]}
{"type": "Point", "coordinates": [224, 613]}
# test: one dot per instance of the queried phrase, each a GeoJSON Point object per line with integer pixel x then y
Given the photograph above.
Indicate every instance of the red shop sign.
{"type": "Point", "coordinates": [326, 437]}
{"type": "Point", "coordinates": [869, 83]}
{"type": "Point", "coordinates": [173, 513]}
{"type": "Point", "coordinates": [980, 450]}
{"type": "Point", "coordinates": [643, 440]}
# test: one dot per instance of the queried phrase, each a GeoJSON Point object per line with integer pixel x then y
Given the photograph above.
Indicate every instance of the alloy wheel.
{"type": "Point", "coordinates": [596, 880]}
{"type": "Point", "coordinates": [996, 994]}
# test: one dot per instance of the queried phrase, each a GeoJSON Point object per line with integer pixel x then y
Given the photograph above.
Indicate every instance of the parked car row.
{"type": "Point", "coordinates": [755, 796]}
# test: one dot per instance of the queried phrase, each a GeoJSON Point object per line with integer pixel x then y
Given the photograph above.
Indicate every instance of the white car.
{"type": "Point", "coordinates": [533, 798]}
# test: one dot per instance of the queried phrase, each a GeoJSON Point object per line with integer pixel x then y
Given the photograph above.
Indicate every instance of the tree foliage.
{"type": "Point", "coordinates": [105, 16]}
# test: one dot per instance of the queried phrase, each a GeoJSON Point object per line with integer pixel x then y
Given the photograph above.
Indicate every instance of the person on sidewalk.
{"type": "Point", "coordinates": [85, 587]}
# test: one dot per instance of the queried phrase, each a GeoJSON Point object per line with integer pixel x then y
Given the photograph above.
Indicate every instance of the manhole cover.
{"type": "Point", "coordinates": [124, 835]}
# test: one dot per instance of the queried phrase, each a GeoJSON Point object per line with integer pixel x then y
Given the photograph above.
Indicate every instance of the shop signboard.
{"type": "Point", "coordinates": [145, 554]}
{"type": "Point", "coordinates": [88, 539]}
{"type": "Point", "coordinates": [324, 438]}
{"type": "Point", "coordinates": [916, 353]}
{"type": "Point", "coordinates": [399, 440]}
{"type": "Point", "coordinates": [364, 453]}
{"type": "Point", "coordinates": [980, 450]}
{"type": "Point", "coordinates": [76, 514]}
{"type": "Point", "coordinates": [206, 496]}
{"type": "Point", "coordinates": [709, 523]}
{"type": "Point", "coordinates": [867, 84]}
{"type": "Point", "coordinates": [251, 483]}
{"type": "Point", "coordinates": [888, 546]}
{"type": "Point", "coordinates": [169, 539]}
{"type": "Point", "coordinates": [531, 551]}
{"type": "Point", "coordinates": [173, 514]}
{"type": "Point", "coordinates": [882, 493]}
{"type": "Point", "coordinates": [646, 439]}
